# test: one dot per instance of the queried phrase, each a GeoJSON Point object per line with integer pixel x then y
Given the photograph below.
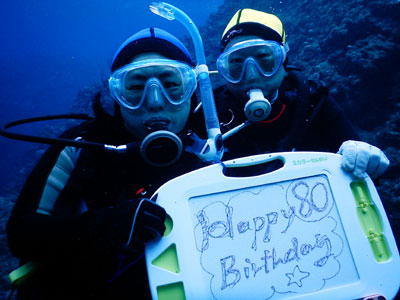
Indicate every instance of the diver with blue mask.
{"type": "Point", "coordinates": [83, 216]}
{"type": "Point", "coordinates": [286, 111]}
{"type": "Point", "coordinates": [154, 94]}
{"type": "Point", "coordinates": [153, 97]}
{"type": "Point", "coordinates": [161, 147]}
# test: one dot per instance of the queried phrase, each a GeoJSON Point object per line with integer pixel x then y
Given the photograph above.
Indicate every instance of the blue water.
{"type": "Point", "coordinates": [49, 50]}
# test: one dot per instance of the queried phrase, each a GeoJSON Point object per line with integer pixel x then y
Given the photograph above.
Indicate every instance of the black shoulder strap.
{"type": "Point", "coordinates": [299, 124]}
{"type": "Point", "coordinates": [319, 92]}
{"type": "Point", "coordinates": [82, 176]}
{"type": "Point", "coordinates": [91, 174]}
{"type": "Point", "coordinates": [70, 195]}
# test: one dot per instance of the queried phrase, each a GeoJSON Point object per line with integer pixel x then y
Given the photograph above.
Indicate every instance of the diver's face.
{"type": "Point", "coordinates": [156, 109]}
{"type": "Point", "coordinates": [252, 78]}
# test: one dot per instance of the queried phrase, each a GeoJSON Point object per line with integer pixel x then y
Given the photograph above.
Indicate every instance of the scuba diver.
{"type": "Point", "coordinates": [83, 214]}
{"type": "Point", "coordinates": [269, 106]}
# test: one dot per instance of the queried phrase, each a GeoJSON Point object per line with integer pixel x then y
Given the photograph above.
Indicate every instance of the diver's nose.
{"type": "Point", "coordinates": [251, 72]}
{"type": "Point", "coordinates": [155, 98]}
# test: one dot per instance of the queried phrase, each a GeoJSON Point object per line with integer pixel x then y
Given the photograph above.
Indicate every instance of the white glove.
{"type": "Point", "coordinates": [360, 159]}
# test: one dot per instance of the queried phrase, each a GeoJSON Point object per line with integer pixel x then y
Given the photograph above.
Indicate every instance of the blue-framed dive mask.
{"type": "Point", "coordinates": [266, 56]}
{"type": "Point", "coordinates": [131, 84]}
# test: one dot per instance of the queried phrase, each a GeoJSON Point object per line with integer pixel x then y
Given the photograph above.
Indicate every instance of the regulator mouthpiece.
{"type": "Point", "coordinates": [161, 148]}
{"type": "Point", "coordinates": [258, 107]}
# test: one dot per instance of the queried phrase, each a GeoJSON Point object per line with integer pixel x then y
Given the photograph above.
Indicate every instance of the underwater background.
{"type": "Point", "coordinates": [56, 54]}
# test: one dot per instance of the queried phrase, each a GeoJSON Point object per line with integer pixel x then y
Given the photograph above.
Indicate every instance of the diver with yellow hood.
{"type": "Point", "coordinates": [269, 106]}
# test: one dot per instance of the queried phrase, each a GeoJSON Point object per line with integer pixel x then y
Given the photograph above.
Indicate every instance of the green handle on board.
{"type": "Point", "coordinates": [370, 221]}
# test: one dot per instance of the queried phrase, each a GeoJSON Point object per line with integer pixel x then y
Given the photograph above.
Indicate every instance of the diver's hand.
{"type": "Point", "coordinates": [360, 159]}
{"type": "Point", "coordinates": [148, 222]}
{"type": "Point", "coordinates": [133, 223]}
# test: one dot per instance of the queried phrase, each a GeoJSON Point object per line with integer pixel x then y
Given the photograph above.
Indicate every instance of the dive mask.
{"type": "Point", "coordinates": [266, 56]}
{"type": "Point", "coordinates": [130, 84]}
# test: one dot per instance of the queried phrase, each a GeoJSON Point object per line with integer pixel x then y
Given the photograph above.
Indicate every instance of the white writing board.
{"type": "Point", "coordinates": [295, 233]}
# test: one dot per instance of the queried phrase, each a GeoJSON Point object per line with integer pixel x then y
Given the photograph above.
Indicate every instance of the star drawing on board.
{"type": "Point", "coordinates": [297, 276]}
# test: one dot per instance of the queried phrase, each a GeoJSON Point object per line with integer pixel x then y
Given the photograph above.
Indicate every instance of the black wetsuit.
{"type": "Point", "coordinates": [78, 262]}
{"type": "Point", "coordinates": [48, 224]}
{"type": "Point", "coordinates": [303, 117]}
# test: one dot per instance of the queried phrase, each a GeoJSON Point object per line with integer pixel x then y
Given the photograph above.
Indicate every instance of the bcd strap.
{"type": "Point", "coordinates": [311, 95]}
{"type": "Point", "coordinates": [318, 94]}
{"type": "Point", "coordinates": [299, 125]}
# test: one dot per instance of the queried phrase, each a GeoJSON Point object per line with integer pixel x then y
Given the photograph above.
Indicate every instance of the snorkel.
{"type": "Point", "coordinates": [210, 150]}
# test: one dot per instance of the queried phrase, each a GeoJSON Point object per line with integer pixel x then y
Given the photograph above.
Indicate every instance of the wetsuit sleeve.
{"type": "Point", "coordinates": [33, 231]}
